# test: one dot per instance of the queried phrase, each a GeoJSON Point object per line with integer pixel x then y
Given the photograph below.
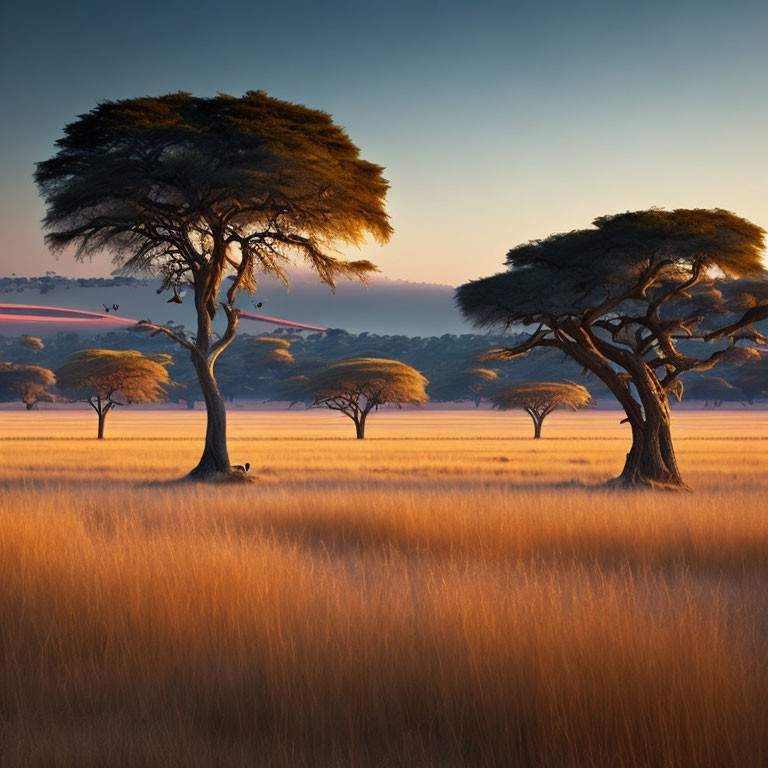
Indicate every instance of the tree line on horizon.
{"type": "Point", "coordinates": [355, 387]}
{"type": "Point", "coordinates": [293, 368]}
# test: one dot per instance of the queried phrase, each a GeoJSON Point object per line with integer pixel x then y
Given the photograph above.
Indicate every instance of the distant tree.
{"type": "Point", "coordinates": [468, 384]}
{"type": "Point", "coordinates": [357, 387]}
{"type": "Point", "coordinates": [293, 389]}
{"type": "Point", "coordinates": [267, 356]}
{"type": "Point", "coordinates": [191, 189]}
{"type": "Point", "coordinates": [266, 351]}
{"type": "Point", "coordinates": [105, 378]}
{"type": "Point", "coordinates": [539, 398]}
{"type": "Point", "coordinates": [31, 342]}
{"type": "Point", "coordinates": [713, 390]}
{"type": "Point", "coordinates": [753, 385]}
{"type": "Point", "coordinates": [30, 383]}
{"type": "Point", "coordinates": [618, 297]}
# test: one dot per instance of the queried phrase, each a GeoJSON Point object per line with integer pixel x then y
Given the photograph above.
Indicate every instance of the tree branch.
{"type": "Point", "coordinates": [157, 329]}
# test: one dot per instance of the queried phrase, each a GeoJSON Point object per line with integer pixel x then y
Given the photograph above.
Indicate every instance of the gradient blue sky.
{"type": "Point", "coordinates": [497, 122]}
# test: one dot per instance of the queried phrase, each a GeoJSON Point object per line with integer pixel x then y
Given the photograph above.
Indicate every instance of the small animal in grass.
{"type": "Point", "coordinates": [244, 468]}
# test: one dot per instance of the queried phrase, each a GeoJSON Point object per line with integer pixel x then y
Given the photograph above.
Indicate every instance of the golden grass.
{"type": "Point", "coordinates": [446, 593]}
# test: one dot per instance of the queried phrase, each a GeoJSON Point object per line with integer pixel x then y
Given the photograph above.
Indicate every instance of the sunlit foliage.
{"type": "Point", "coordinates": [31, 342]}
{"type": "Point", "coordinates": [357, 387]}
{"type": "Point", "coordinates": [29, 383]}
{"type": "Point", "coordinates": [539, 398]}
{"type": "Point", "coordinates": [106, 378]}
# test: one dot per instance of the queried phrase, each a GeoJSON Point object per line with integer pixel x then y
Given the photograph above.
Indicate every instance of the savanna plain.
{"type": "Point", "coordinates": [446, 592]}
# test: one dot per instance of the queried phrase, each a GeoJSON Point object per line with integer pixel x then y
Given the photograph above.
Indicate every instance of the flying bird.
{"type": "Point", "coordinates": [176, 298]}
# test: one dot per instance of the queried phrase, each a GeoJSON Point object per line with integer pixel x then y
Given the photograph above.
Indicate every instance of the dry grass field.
{"type": "Point", "coordinates": [446, 593]}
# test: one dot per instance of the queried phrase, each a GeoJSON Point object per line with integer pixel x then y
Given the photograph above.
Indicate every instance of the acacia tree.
{"type": "Point", "coordinates": [106, 378]}
{"type": "Point", "coordinates": [194, 189]}
{"type": "Point", "coordinates": [30, 383]}
{"type": "Point", "coordinates": [618, 299]}
{"type": "Point", "coordinates": [31, 342]}
{"type": "Point", "coordinates": [357, 387]}
{"type": "Point", "coordinates": [539, 398]}
{"type": "Point", "coordinates": [468, 384]}
{"type": "Point", "coordinates": [713, 390]}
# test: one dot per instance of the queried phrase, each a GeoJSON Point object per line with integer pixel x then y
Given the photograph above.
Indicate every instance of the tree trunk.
{"type": "Point", "coordinates": [536, 419]}
{"type": "Point", "coordinates": [360, 427]}
{"type": "Point", "coordinates": [651, 461]}
{"type": "Point", "coordinates": [102, 418]}
{"type": "Point", "coordinates": [215, 458]}
{"type": "Point", "coordinates": [29, 406]}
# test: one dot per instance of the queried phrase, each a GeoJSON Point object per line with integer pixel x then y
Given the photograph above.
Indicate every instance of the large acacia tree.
{"type": "Point", "coordinates": [627, 299]}
{"type": "Point", "coordinates": [192, 190]}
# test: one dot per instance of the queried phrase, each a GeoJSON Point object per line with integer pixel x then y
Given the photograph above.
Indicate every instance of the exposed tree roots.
{"type": "Point", "coordinates": [227, 476]}
{"type": "Point", "coordinates": [622, 483]}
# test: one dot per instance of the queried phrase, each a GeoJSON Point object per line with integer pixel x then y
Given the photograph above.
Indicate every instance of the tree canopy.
{"type": "Point", "coordinates": [269, 352]}
{"type": "Point", "coordinates": [356, 387]}
{"type": "Point", "coordinates": [191, 189]}
{"type": "Point", "coordinates": [539, 398]}
{"type": "Point", "coordinates": [151, 178]}
{"type": "Point", "coordinates": [106, 378]}
{"type": "Point", "coordinates": [715, 390]}
{"type": "Point", "coordinates": [467, 384]}
{"type": "Point", "coordinates": [29, 383]}
{"type": "Point", "coordinates": [31, 342]}
{"type": "Point", "coordinates": [618, 297]}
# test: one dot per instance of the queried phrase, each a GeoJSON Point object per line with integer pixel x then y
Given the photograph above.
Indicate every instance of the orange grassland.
{"type": "Point", "coordinates": [446, 593]}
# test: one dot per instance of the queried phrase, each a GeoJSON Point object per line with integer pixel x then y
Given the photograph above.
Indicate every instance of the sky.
{"type": "Point", "coordinates": [497, 122]}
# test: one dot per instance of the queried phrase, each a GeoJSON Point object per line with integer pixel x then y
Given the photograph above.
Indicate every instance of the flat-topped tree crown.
{"type": "Point", "coordinates": [269, 352]}
{"type": "Point", "coordinates": [152, 179]}
{"type": "Point", "coordinates": [466, 384]}
{"type": "Point", "coordinates": [106, 378]}
{"type": "Point", "coordinates": [618, 298]}
{"type": "Point", "coordinates": [29, 383]}
{"type": "Point", "coordinates": [357, 387]}
{"type": "Point", "coordinates": [31, 342]}
{"type": "Point", "coordinates": [539, 398]}
{"type": "Point", "coordinates": [192, 189]}
{"type": "Point", "coordinates": [645, 256]}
